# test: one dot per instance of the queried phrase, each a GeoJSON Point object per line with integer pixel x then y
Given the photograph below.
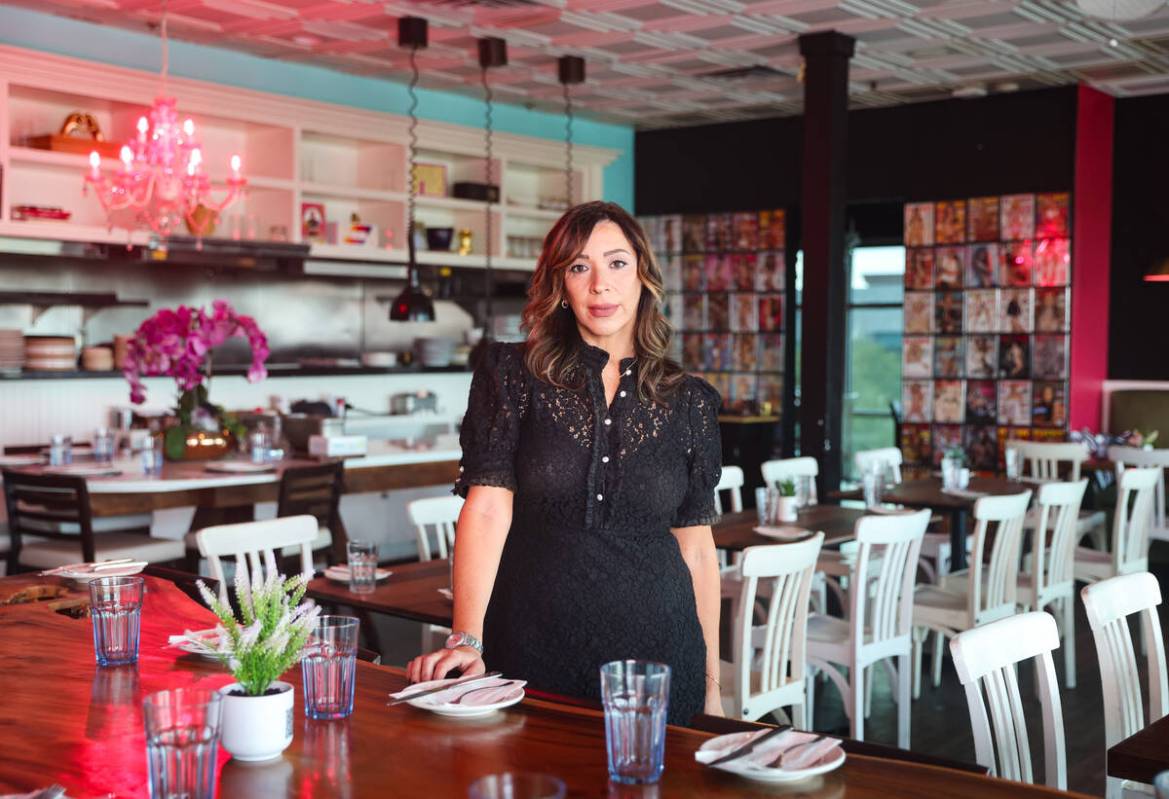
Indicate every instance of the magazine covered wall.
{"type": "Point", "coordinates": [985, 346]}
{"type": "Point", "coordinates": [725, 277]}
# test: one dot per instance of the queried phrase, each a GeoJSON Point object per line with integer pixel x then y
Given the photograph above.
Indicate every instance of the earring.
{"type": "Point", "coordinates": [564, 304]}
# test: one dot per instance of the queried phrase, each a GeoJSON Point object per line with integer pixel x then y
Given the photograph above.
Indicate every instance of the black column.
{"type": "Point", "coordinates": [826, 57]}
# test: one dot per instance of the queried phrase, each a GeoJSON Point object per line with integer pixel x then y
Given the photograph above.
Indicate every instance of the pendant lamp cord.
{"type": "Point", "coordinates": [568, 171]}
{"type": "Point", "coordinates": [489, 173]}
{"type": "Point", "coordinates": [412, 268]}
{"type": "Point", "coordinates": [165, 49]}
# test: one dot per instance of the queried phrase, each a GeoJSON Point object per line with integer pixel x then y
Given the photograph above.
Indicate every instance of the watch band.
{"type": "Point", "coordinates": [457, 639]}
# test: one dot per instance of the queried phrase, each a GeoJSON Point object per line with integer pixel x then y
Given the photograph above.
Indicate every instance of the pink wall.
{"type": "Point", "coordinates": [1091, 255]}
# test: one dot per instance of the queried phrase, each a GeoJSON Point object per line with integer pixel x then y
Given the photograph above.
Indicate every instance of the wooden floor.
{"type": "Point", "coordinates": [941, 722]}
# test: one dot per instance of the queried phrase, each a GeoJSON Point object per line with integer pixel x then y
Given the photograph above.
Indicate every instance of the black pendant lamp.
{"type": "Point", "coordinates": [570, 70]}
{"type": "Point", "coordinates": [492, 53]}
{"type": "Point", "coordinates": [413, 304]}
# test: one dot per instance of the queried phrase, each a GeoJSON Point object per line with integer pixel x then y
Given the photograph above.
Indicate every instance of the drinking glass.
{"type": "Point", "coordinates": [60, 450]}
{"type": "Point", "coordinates": [362, 567]}
{"type": "Point", "coordinates": [871, 482]}
{"type": "Point", "coordinates": [950, 468]}
{"type": "Point", "coordinates": [152, 455]}
{"type": "Point", "coordinates": [261, 444]}
{"type": "Point", "coordinates": [1161, 785]}
{"type": "Point", "coordinates": [1011, 459]}
{"type": "Point", "coordinates": [516, 785]}
{"type": "Point", "coordinates": [804, 491]}
{"type": "Point", "coordinates": [636, 694]}
{"type": "Point", "coordinates": [329, 669]}
{"type": "Point", "coordinates": [182, 742]}
{"type": "Point", "coordinates": [104, 440]}
{"type": "Point", "coordinates": [115, 609]}
{"type": "Point", "coordinates": [765, 504]}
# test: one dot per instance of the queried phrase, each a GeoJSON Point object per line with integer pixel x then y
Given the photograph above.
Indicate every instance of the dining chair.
{"type": "Point", "coordinates": [437, 515]}
{"type": "Point", "coordinates": [1158, 458]}
{"type": "Point", "coordinates": [50, 524]}
{"type": "Point", "coordinates": [879, 620]}
{"type": "Point", "coordinates": [316, 491]}
{"type": "Point", "coordinates": [1052, 461]}
{"type": "Point", "coordinates": [768, 668]}
{"type": "Point", "coordinates": [1131, 523]}
{"type": "Point", "coordinates": [776, 471]}
{"type": "Point", "coordinates": [1109, 605]}
{"type": "Point", "coordinates": [986, 659]}
{"type": "Point", "coordinates": [935, 547]}
{"type": "Point", "coordinates": [255, 547]}
{"type": "Point", "coordinates": [731, 481]}
{"type": "Point", "coordinates": [987, 591]}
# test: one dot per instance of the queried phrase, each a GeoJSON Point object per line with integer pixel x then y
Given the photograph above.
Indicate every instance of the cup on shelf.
{"type": "Point", "coordinates": [362, 566]}
{"type": "Point", "coordinates": [635, 695]}
{"type": "Point", "coordinates": [329, 668]}
{"type": "Point", "coordinates": [183, 729]}
{"type": "Point", "coordinates": [115, 611]}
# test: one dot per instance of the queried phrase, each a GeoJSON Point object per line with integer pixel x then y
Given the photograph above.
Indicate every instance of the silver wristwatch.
{"type": "Point", "coordinates": [455, 640]}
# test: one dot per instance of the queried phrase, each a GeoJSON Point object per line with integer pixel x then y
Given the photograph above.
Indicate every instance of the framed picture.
{"type": "Point", "coordinates": [430, 180]}
{"type": "Point", "coordinates": [312, 223]}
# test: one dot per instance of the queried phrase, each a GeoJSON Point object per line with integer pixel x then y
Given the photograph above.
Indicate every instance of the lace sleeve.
{"type": "Point", "coordinates": [490, 430]}
{"type": "Point", "coordinates": [705, 450]}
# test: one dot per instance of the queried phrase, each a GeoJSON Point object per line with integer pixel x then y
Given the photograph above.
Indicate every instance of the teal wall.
{"type": "Point", "coordinates": [124, 48]}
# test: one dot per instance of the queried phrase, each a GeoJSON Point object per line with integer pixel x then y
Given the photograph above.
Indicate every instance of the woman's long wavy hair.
{"type": "Point", "coordinates": [553, 348]}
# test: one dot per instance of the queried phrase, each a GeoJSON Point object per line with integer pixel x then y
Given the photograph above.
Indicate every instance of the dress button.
{"type": "Point", "coordinates": [600, 497]}
{"type": "Point", "coordinates": [608, 421]}
{"type": "Point", "coordinates": [604, 459]}
{"type": "Point", "coordinates": [622, 394]}
{"type": "Point", "coordinates": [460, 468]}
{"type": "Point", "coordinates": [628, 372]}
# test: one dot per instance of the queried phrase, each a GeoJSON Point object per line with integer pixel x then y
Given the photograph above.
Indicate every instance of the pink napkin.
{"type": "Point", "coordinates": [479, 693]}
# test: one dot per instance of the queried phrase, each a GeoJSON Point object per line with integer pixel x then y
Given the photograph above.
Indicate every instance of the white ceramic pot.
{"type": "Point", "coordinates": [788, 509]}
{"type": "Point", "coordinates": [257, 727]}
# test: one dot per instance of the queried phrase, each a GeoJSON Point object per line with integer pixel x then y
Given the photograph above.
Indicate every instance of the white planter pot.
{"type": "Point", "coordinates": [257, 727]}
{"type": "Point", "coordinates": [788, 510]}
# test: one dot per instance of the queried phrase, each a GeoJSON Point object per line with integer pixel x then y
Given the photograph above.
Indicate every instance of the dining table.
{"type": "Point", "coordinates": [1143, 755]}
{"type": "Point", "coordinates": [735, 531]}
{"type": "Point", "coordinates": [928, 492]}
{"type": "Point", "coordinates": [67, 721]}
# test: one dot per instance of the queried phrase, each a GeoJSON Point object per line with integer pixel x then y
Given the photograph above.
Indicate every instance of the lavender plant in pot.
{"type": "Point", "coordinates": [266, 640]}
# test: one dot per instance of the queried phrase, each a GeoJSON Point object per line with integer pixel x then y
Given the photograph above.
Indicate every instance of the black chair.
{"type": "Point", "coordinates": [316, 491]}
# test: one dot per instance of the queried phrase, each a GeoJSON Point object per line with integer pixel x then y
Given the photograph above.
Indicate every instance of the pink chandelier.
{"type": "Point", "coordinates": [162, 180]}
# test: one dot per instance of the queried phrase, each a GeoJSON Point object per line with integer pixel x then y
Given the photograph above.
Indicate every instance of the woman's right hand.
{"type": "Point", "coordinates": [438, 664]}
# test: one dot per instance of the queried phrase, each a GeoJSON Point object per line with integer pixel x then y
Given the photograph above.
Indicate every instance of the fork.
{"type": "Point", "coordinates": [776, 762]}
{"type": "Point", "coordinates": [463, 696]}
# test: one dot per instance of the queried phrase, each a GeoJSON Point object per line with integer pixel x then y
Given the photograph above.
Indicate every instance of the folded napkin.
{"type": "Point", "coordinates": [772, 750]}
{"type": "Point", "coordinates": [101, 567]}
{"type": "Point", "coordinates": [786, 532]}
{"type": "Point", "coordinates": [490, 691]}
{"type": "Point", "coordinates": [965, 493]}
{"type": "Point", "coordinates": [341, 572]}
{"type": "Point", "coordinates": [889, 511]}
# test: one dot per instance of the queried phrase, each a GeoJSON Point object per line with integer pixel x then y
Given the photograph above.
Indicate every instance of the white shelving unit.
{"type": "Point", "coordinates": [294, 152]}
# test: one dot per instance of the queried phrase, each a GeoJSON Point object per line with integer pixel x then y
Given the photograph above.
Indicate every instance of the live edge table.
{"type": "Point", "coordinates": [64, 720]}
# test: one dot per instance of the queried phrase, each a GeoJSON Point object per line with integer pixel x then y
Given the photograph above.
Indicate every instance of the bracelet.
{"type": "Point", "coordinates": [713, 680]}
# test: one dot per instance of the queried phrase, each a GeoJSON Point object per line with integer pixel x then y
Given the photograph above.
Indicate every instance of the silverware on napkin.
{"type": "Point", "coordinates": [748, 747]}
{"type": "Point", "coordinates": [90, 567]}
{"type": "Point", "coordinates": [430, 691]}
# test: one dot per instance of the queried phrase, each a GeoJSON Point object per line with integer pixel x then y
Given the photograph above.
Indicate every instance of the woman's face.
{"type": "Point", "coordinates": [602, 285]}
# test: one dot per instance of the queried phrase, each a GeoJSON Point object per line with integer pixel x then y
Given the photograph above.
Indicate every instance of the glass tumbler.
{"type": "Point", "coordinates": [152, 455]}
{"type": "Point", "coordinates": [1161, 785]}
{"type": "Point", "coordinates": [362, 566]}
{"type": "Point", "coordinates": [60, 450]}
{"type": "Point", "coordinates": [872, 482]}
{"type": "Point", "coordinates": [636, 695]}
{"type": "Point", "coordinates": [1011, 460]}
{"type": "Point", "coordinates": [183, 727]}
{"type": "Point", "coordinates": [329, 668]}
{"type": "Point", "coordinates": [517, 785]}
{"type": "Point", "coordinates": [104, 441]}
{"type": "Point", "coordinates": [115, 610]}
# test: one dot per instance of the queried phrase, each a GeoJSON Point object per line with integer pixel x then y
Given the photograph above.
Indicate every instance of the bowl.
{"type": "Point", "coordinates": [379, 360]}
{"type": "Point", "coordinates": [434, 351]}
{"type": "Point", "coordinates": [439, 238]}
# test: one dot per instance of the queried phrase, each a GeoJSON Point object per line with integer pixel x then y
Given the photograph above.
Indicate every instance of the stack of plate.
{"type": "Point", "coordinates": [11, 349]}
{"type": "Point", "coordinates": [50, 353]}
{"type": "Point", "coordinates": [97, 359]}
{"type": "Point", "coordinates": [434, 351]}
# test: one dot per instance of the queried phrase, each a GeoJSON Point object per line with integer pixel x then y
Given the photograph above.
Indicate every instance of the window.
{"type": "Point", "coordinates": [873, 355]}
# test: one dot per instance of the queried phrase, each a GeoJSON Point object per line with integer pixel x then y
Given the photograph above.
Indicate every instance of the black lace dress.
{"type": "Point", "coordinates": [590, 571]}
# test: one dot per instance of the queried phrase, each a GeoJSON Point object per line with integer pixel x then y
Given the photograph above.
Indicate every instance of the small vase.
{"type": "Point", "coordinates": [257, 727]}
{"type": "Point", "coordinates": [788, 509]}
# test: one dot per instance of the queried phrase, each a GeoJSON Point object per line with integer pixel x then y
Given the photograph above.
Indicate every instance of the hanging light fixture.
{"type": "Point", "coordinates": [570, 70]}
{"type": "Point", "coordinates": [162, 179]}
{"type": "Point", "coordinates": [413, 304]}
{"type": "Point", "coordinates": [1159, 273]}
{"type": "Point", "coordinates": [492, 53]}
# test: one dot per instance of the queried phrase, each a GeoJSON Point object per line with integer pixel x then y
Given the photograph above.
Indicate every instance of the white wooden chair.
{"type": "Point", "coordinates": [731, 481]}
{"type": "Point", "coordinates": [255, 547]}
{"type": "Point", "coordinates": [879, 619]}
{"type": "Point", "coordinates": [1158, 458]}
{"type": "Point", "coordinates": [987, 592]}
{"type": "Point", "coordinates": [776, 471]}
{"type": "Point", "coordinates": [1130, 530]}
{"type": "Point", "coordinates": [1043, 461]}
{"type": "Point", "coordinates": [1109, 604]}
{"type": "Point", "coordinates": [985, 658]}
{"type": "Point", "coordinates": [1050, 582]}
{"type": "Point", "coordinates": [935, 547]}
{"type": "Point", "coordinates": [768, 671]}
{"type": "Point", "coordinates": [439, 515]}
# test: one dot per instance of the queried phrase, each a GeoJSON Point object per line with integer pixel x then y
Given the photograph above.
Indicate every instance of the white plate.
{"type": "Point", "coordinates": [763, 774]}
{"type": "Point", "coordinates": [784, 533]}
{"type": "Point", "coordinates": [460, 712]}
{"type": "Point", "coordinates": [239, 467]}
{"type": "Point", "coordinates": [191, 649]}
{"type": "Point", "coordinates": [83, 572]}
{"type": "Point", "coordinates": [21, 460]}
{"type": "Point", "coordinates": [340, 573]}
{"type": "Point", "coordinates": [84, 470]}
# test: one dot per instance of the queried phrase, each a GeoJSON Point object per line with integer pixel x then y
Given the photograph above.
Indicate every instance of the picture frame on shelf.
{"type": "Point", "coordinates": [430, 180]}
{"type": "Point", "coordinates": [313, 223]}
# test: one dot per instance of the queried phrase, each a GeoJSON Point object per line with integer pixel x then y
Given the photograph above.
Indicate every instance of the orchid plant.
{"type": "Point", "coordinates": [178, 343]}
{"type": "Point", "coordinates": [270, 635]}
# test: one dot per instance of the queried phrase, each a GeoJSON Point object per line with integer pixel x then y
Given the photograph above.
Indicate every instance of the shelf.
{"type": "Point", "coordinates": [456, 204]}
{"type": "Point", "coordinates": [32, 156]}
{"type": "Point", "coordinates": [534, 213]}
{"type": "Point", "coordinates": [67, 231]}
{"type": "Point", "coordinates": [274, 372]}
{"type": "Point", "coordinates": [350, 192]}
{"type": "Point", "coordinates": [89, 302]}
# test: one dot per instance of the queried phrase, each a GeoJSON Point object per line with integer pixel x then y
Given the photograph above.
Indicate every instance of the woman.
{"type": "Point", "coordinates": [589, 465]}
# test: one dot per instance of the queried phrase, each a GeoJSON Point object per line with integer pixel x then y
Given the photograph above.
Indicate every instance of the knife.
{"type": "Point", "coordinates": [749, 746]}
{"type": "Point", "coordinates": [430, 691]}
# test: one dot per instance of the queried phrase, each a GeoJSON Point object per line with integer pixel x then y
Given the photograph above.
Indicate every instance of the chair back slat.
{"type": "Point", "coordinates": [894, 543]}
{"type": "Point", "coordinates": [439, 515]}
{"type": "Point", "coordinates": [47, 506]}
{"type": "Point", "coordinates": [985, 658]}
{"type": "Point", "coordinates": [254, 547]}
{"type": "Point", "coordinates": [1109, 605]}
{"type": "Point", "coordinates": [776, 471]}
{"type": "Point", "coordinates": [1053, 563]}
{"type": "Point", "coordinates": [731, 481]}
{"type": "Point", "coordinates": [1124, 457]}
{"type": "Point", "coordinates": [1133, 519]}
{"type": "Point", "coordinates": [1044, 460]}
{"type": "Point", "coordinates": [994, 584]}
{"type": "Point", "coordinates": [888, 459]}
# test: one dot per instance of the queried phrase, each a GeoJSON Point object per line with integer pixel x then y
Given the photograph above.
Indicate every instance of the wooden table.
{"type": "Point", "coordinates": [1141, 756]}
{"type": "Point", "coordinates": [927, 493]}
{"type": "Point", "coordinates": [65, 720]}
{"type": "Point", "coordinates": [411, 592]}
{"type": "Point", "coordinates": [736, 531]}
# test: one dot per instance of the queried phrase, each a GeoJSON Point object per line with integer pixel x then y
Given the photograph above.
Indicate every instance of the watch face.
{"type": "Point", "coordinates": [453, 640]}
